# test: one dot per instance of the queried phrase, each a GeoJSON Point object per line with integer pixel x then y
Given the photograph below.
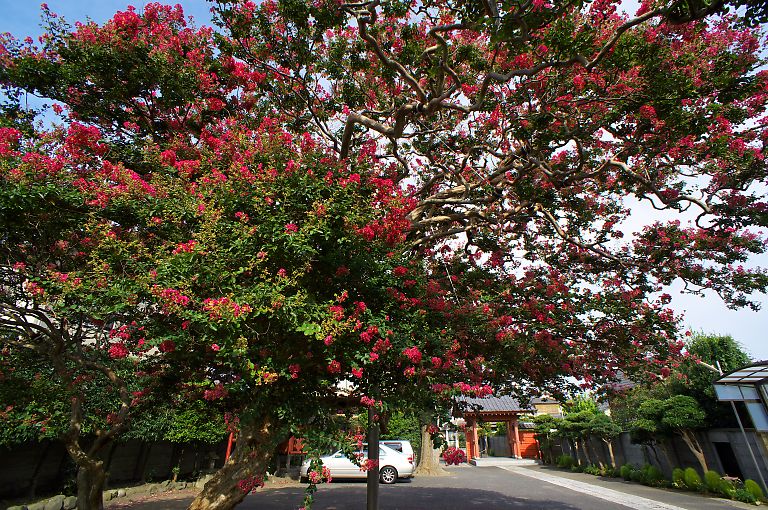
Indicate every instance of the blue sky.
{"type": "Point", "coordinates": [706, 314]}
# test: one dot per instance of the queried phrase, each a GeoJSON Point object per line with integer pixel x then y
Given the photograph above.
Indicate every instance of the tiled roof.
{"type": "Point", "coordinates": [490, 404]}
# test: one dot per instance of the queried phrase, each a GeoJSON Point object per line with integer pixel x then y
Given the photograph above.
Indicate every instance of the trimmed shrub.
{"type": "Point", "coordinates": [744, 496]}
{"type": "Point", "coordinates": [692, 479]}
{"type": "Point", "coordinates": [626, 472]}
{"type": "Point", "coordinates": [753, 488]}
{"type": "Point", "coordinates": [678, 477]}
{"type": "Point", "coordinates": [565, 461]}
{"type": "Point", "coordinates": [653, 475]}
{"type": "Point", "coordinates": [712, 481]}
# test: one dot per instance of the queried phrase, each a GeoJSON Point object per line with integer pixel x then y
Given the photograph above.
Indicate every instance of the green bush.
{"type": "Point", "coordinates": [726, 488]}
{"type": "Point", "coordinates": [626, 471]}
{"type": "Point", "coordinates": [653, 475]}
{"type": "Point", "coordinates": [692, 479]}
{"type": "Point", "coordinates": [576, 468]}
{"type": "Point", "coordinates": [565, 461]}
{"type": "Point", "coordinates": [591, 469]}
{"type": "Point", "coordinates": [753, 488]}
{"type": "Point", "coordinates": [744, 496]}
{"type": "Point", "coordinates": [678, 478]}
{"type": "Point", "coordinates": [712, 480]}
{"type": "Point", "coordinates": [638, 475]}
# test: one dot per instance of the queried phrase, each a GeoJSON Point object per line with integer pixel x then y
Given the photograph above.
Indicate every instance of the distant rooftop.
{"type": "Point", "coordinates": [491, 404]}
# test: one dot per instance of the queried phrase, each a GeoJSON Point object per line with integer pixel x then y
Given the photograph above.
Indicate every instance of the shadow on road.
{"type": "Point", "coordinates": [399, 498]}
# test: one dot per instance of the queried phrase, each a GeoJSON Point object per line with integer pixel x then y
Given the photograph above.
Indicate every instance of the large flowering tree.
{"type": "Point", "coordinates": [430, 195]}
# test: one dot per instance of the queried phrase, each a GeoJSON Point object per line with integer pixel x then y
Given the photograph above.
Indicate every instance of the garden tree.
{"type": "Point", "coordinates": [575, 428]}
{"type": "Point", "coordinates": [54, 302]}
{"type": "Point", "coordinates": [547, 430]}
{"type": "Point", "coordinates": [256, 190]}
{"type": "Point", "coordinates": [659, 420]}
{"type": "Point", "coordinates": [602, 426]}
{"type": "Point", "coordinates": [525, 125]}
{"type": "Point", "coordinates": [697, 372]}
{"type": "Point", "coordinates": [257, 265]}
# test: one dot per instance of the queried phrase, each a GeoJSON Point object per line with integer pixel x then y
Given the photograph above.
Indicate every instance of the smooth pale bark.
{"type": "Point", "coordinates": [429, 460]}
{"type": "Point", "coordinates": [693, 443]}
{"type": "Point", "coordinates": [609, 443]}
{"type": "Point", "coordinates": [256, 443]}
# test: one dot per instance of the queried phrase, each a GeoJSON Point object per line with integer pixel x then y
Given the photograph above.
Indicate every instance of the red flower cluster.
{"type": "Point", "coordinates": [454, 456]}
{"type": "Point", "coordinates": [250, 483]}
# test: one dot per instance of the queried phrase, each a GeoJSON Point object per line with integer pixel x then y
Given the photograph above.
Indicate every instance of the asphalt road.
{"type": "Point", "coordinates": [482, 488]}
{"type": "Point", "coordinates": [490, 488]}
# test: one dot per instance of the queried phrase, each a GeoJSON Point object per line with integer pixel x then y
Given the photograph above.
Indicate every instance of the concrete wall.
{"type": "Point", "coordinates": [677, 454]}
{"type": "Point", "coordinates": [40, 468]}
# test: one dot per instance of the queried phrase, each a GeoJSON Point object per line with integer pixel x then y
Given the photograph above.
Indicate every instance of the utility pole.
{"type": "Point", "coordinates": [373, 457]}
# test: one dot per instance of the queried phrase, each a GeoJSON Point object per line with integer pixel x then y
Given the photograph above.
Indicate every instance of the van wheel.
{"type": "Point", "coordinates": [388, 475]}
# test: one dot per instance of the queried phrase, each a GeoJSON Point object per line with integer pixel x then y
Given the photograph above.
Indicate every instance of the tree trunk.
{"type": "Point", "coordinates": [585, 449]}
{"type": "Point", "coordinates": [609, 443]}
{"type": "Point", "coordinates": [693, 443]}
{"type": "Point", "coordinates": [91, 479]}
{"type": "Point", "coordinates": [589, 444]}
{"type": "Point", "coordinates": [429, 460]}
{"type": "Point", "coordinates": [255, 446]}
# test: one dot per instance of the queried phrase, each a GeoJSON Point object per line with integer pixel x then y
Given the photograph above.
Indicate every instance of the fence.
{"type": "Point", "coordinates": [45, 467]}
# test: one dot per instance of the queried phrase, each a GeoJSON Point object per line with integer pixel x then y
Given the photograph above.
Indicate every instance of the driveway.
{"type": "Point", "coordinates": [486, 488]}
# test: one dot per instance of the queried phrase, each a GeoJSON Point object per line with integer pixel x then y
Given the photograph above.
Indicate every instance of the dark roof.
{"type": "Point", "coordinates": [490, 404]}
{"type": "Point", "coordinates": [543, 400]}
{"type": "Point", "coordinates": [754, 374]}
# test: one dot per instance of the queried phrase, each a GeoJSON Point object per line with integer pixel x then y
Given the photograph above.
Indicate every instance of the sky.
{"type": "Point", "coordinates": [707, 314]}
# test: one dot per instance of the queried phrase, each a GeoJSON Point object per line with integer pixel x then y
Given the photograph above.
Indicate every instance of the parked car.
{"type": "Point", "coordinates": [392, 465]}
{"type": "Point", "coordinates": [400, 445]}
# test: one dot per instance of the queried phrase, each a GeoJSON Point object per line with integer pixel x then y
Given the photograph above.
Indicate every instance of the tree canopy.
{"type": "Point", "coordinates": [409, 199]}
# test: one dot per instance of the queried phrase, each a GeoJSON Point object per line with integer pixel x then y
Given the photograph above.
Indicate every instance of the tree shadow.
{"type": "Point", "coordinates": [399, 498]}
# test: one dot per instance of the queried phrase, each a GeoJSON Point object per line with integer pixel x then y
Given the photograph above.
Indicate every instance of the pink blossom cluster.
{"type": "Point", "coordinates": [118, 350]}
{"type": "Point", "coordinates": [413, 354]}
{"type": "Point", "coordinates": [187, 247]}
{"type": "Point", "coordinates": [225, 308]}
{"type": "Point", "coordinates": [218, 392]}
{"type": "Point", "coordinates": [316, 477]}
{"type": "Point", "coordinates": [172, 298]}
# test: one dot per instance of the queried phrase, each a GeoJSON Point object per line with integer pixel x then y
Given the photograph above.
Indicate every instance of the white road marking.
{"type": "Point", "coordinates": [621, 498]}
